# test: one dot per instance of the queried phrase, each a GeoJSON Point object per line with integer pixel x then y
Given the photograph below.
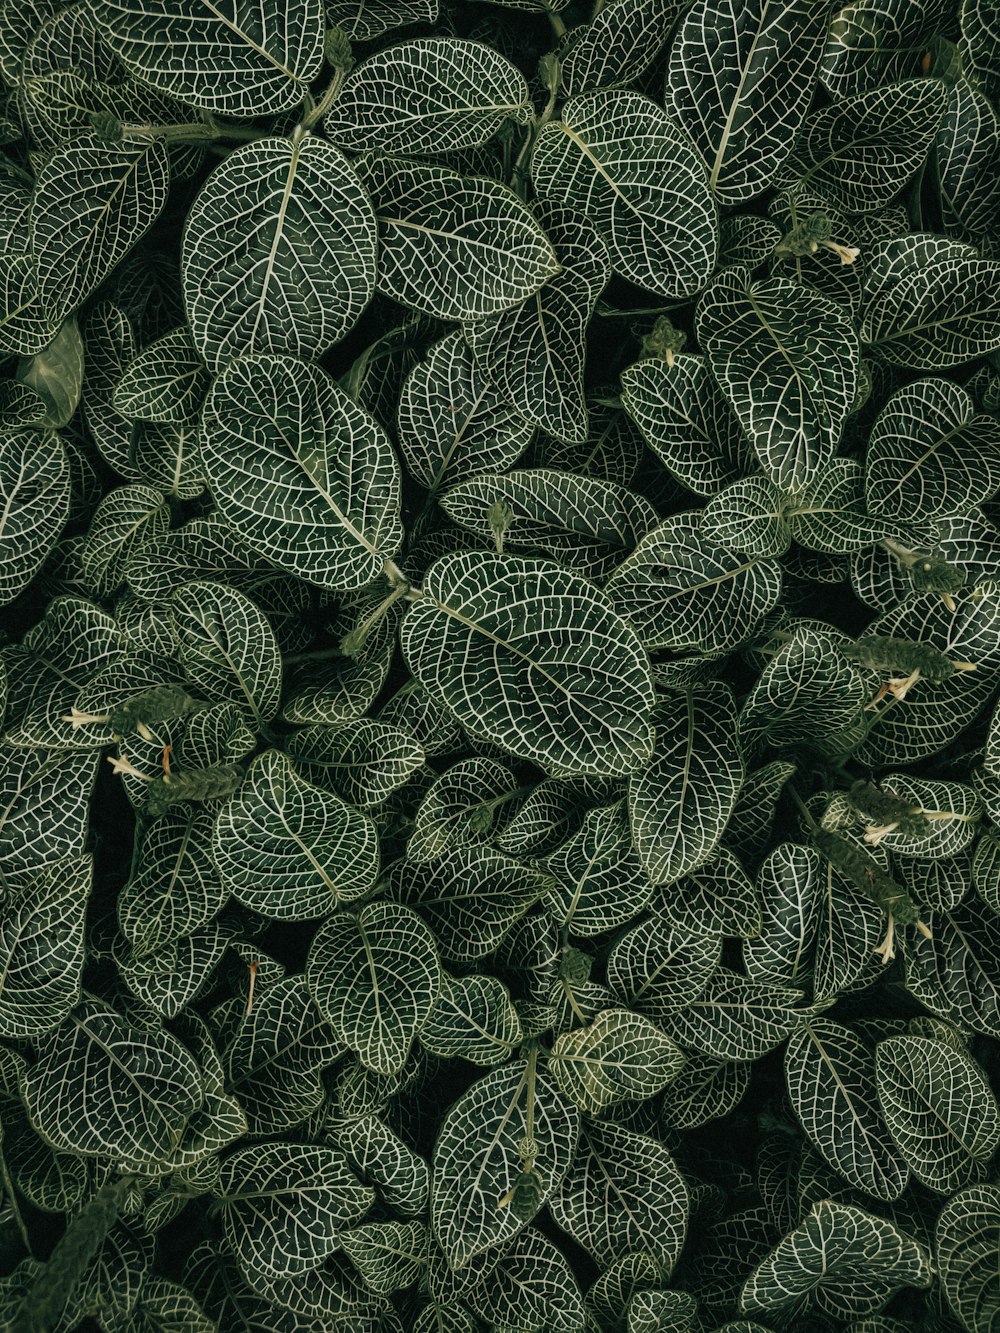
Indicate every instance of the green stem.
{"type": "Point", "coordinates": [317, 111]}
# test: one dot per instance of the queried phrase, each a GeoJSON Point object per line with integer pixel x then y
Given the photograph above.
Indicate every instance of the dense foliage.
{"type": "Point", "coordinates": [500, 581]}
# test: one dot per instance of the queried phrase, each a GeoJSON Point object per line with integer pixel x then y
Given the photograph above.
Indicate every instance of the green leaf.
{"type": "Point", "coordinates": [718, 898]}
{"type": "Point", "coordinates": [125, 520]}
{"type": "Point", "coordinates": [363, 761]}
{"type": "Point", "coordinates": [534, 656]}
{"type": "Point", "coordinates": [41, 949]}
{"type": "Point", "coordinates": [620, 160]}
{"type": "Point", "coordinates": [680, 803]}
{"type": "Point", "coordinates": [455, 247]}
{"type": "Point", "coordinates": [686, 421]}
{"type": "Point", "coordinates": [169, 980]}
{"type": "Point", "coordinates": [166, 381]}
{"type": "Point", "coordinates": [618, 1057]}
{"type": "Point", "coordinates": [586, 524]}
{"type": "Point", "coordinates": [847, 1262]}
{"type": "Point", "coordinates": [599, 881]}
{"type": "Point", "coordinates": [967, 153]}
{"type": "Point", "coordinates": [278, 255]}
{"type": "Point", "coordinates": [374, 978]}
{"type": "Point", "coordinates": [939, 1109]}
{"type": "Point", "coordinates": [92, 203]}
{"type": "Point", "coordinates": [740, 81]}
{"type": "Point", "coordinates": [34, 504]}
{"type": "Point", "coordinates": [27, 326]}
{"type": "Point", "coordinates": [681, 591]}
{"type": "Point", "coordinates": [535, 354]}
{"type": "Point", "coordinates": [277, 1055]}
{"type": "Point", "coordinates": [830, 1072]}
{"type": "Point", "coordinates": [455, 420]}
{"type": "Point", "coordinates": [928, 308]}
{"type": "Point", "coordinates": [388, 1255]}
{"type": "Point", "coordinates": [462, 807]}
{"type": "Point", "coordinates": [734, 1018]}
{"type": "Point", "coordinates": [428, 95]}
{"type": "Point", "coordinates": [104, 1087]}
{"type": "Point", "coordinates": [56, 375]}
{"type": "Point", "coordinates": [471, 897]}
{"type": "Point", "coordinates": [617, 46]}
{"type": "Point", "coordinates": [533, 1286]}
{"type": "Point", "coordinates": [968, 1233]}
{"type": "Point", "coordinates": [227, 649]}
{"type": "Point", "coordinates": [704, 1090]}
{"type": "Point", "coordinates": [44, 805]}
{"type": "Point", "coordinates": [787, 360]}
{"type": "Point", "coordinates": [473, 1018]}
{"type": "Point", "coordinates": [167, 1307]}
{"type": "Point", "coordinates": [400, 1175]}
{"type": "Point", "coordinates": [477, 1157]}
{"type": "Point", "coordinates": [656, 968]}
{"type": "Point", "coordinates": [284, 1206]}
{"type": "Point", "coordinates": [860, 151]}
{"type": "Point", "coordinates": [289, 850]}
{"type": "Point", "coordinates": [931, 453]}
{"type": "Point", "coordinates": [789, 882]}
{"type": "Point", "coordinates": [307, 478]}
{"type": "Point", "coordinates": [808, 695]}
{"type": "Point", "coordinates": [238, 58]}
{"type": "Point", "coordinates": [623, 1193]}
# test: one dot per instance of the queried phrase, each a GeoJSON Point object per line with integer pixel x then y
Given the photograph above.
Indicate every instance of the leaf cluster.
{"type": "Point", "coordinates": [499, 666]}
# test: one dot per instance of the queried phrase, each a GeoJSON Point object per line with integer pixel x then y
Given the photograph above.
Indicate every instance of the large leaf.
{"type": "Point", "coordinates": [428, 95]}
{"type": "Point", "coordinates": [740, 81]}
{"type": "Point", "coordinates": [454, 419]}
{"type": "Point", "coordinates": [968, 1234]}
{"type": "Point", "coordinates": [680, 802]}
{"type": "Point", "coordinates": [103, 1087]}
{"type": "Point", "coordinates": [831, 1082]}
{"type": "Point", "coordinates": [617, 46]}
{"type": "Point", "coordinates": [680, 590]}
{"type": "Point", "coordinates": [474, 1018]}
{"type": "Point", "coordinates": [41, 949]}
{"type": "Point", "coordinates": [623, 1193]}
{"type": "Point", "coordinates": [288, 849]}
{"type": "Point", "coordinates": [846, 1260]}
{"type": "Point", "coordinates": [535, 352]}
{"type": "Point", "coordinates": [471, 897]}
{"type": "Point", "coordinates": [176, 887]}
{"type": "Point", "coordinates": [931, 453]}
{"type": "Point", "coordinates": [457, 247]}
{"type": "Point", "coordinates": [303, 474]}
{"type": "Point", "coordinates": [928, 308]}
{"type": "Point", "coordinates": [284, 1204]}
{"type": "Point", "coordinates": [586, 524]}
{"type": "Point", "coordinates": [618, 1056]}
{"type": "Point", "coordinates": [238, 57]}
{"type": "Point", "coordinates": [44, 803]}
{"type": "Point", "coordinates": [279, 252]}
{"type": "Point", "coordinates": [686, 421]}
{"type": "Point", "coordinates": [91, 204]}
{"type": "Point", "coordinates": [533, 1286]}
{"type": "Point", "coordinates": [478, 1154]}
{"type": "Point", "coordinates": [34, 504]}
{"type": "Point", "coordinates": [620, 160]}
{"type": "Point", "coordinates": [860, 151]}
{"type": "Point", "coordinates": [734, 1018]}
{"type": "Point", "coordinates": [939, 1109]}
{"type": "Point", "coordinates": [374, 977]}
{"type": "Point", "coordinates": [599, 881]}
{"type": "Point", "coordinates": [364, 761]}
{"type": "Point", "coordinates": [789, 881]}
{"type": "Point", "coordinates": [534, 657]}
{"type": "Point", "coordinates": [227, 649]}
{"type": "Point", "coordinates": [787, 360]}
{"type": "Point", "coordinates": [656, 968]}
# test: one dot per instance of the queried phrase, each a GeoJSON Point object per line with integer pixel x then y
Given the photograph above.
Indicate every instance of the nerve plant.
{"type": "Point", "coordinates": [500, 756]}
